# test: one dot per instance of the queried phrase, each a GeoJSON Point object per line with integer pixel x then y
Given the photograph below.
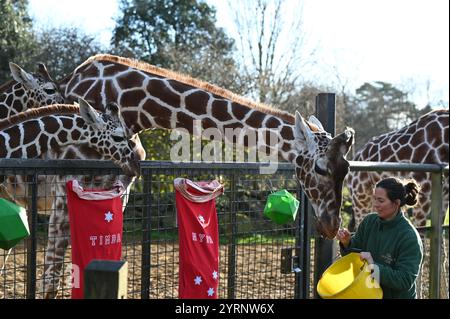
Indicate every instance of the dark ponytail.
{"type": "Point", "coordinates": [411, 192]}
{"type": "Point", "coordinates": [406, 191]}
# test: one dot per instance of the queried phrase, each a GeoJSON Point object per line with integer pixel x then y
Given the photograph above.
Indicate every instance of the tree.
{"type": "Point", "coordinates": [169, 33]}
{"type": "Point", "coordinates": [146, 27]}
{"type": "Point", "coordinates": [16, 36]}
{"type": "Point", "coordinates": [380, 108]}
{"type": "Point", "coordinates": [63, 49]}
{"type": "Point", "coordinates": [272, 48]}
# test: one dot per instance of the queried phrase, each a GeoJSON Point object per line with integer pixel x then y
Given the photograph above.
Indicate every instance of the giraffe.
{"type": "Point", "coordinates": [152, 97]}
{"type": "Point", "coordinates": [96, 135]}
{"type": "Point", "coordinates": [31, 91]}
{"type": "Point", "coordinates": [27, 90]}
{"type": "Point", "coordinates": [36, 132]}
{"type": "Point", "coordinates": [425, 140]}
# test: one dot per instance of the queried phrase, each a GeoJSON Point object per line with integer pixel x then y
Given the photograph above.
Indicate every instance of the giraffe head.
{"type": "Point", "coordinates": [39, 88]}
{"type": "Point", "coordinates": [108, 135]}
{"type": "Point", "coordinates": [321, 168]}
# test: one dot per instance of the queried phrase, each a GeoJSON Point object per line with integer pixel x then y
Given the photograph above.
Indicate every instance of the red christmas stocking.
{"type": "Point", "coordinates": [96, 222]}
{"type": "Point", "coordinates": [198, 238]}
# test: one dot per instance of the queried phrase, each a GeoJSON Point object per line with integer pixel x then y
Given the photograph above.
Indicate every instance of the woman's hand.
{"type": "Point", "coordinates": [343, 235]}
{"type": "Point", "coordinates": [365, 255]}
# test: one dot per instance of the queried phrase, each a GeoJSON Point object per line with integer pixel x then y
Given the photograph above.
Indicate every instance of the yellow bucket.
{"type": "Point", "coordinates": [349, 278]}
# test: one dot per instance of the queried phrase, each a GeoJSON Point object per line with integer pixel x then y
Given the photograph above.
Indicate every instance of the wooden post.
{"type": "Point", "coordinates": [106, 279]}
{"type": "Point", "coordinates": [436, 239]}
{"type": "Point", "coordinates": [325, 249]}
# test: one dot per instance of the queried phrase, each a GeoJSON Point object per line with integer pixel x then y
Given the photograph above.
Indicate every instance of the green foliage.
{"type": "Point", "coordinates": [179, 35]}
{"type": "Point", "coordinates": [264, 239]}
{"type": "Point", "coordinates": [346, 208]}
{"type": "Point", "coordinates": [63, 49]}
{"type": "Point", "coordinates": [379, 107]}
{"type": "Point", "coordinates": [17, 42]}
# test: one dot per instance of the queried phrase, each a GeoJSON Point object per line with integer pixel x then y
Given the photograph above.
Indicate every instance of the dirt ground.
{"type": "Point", "coordinates": [257, 272]}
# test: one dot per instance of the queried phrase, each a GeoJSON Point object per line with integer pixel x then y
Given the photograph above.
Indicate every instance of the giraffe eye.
{"type": "Point", "coordinates": [50, 91]}
{"type": "Point", "coordinates": [118, 139]}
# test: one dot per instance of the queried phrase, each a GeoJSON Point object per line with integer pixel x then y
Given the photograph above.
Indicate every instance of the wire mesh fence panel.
{"type": "Point", "coordinates": [257, 257]}
{"type": "Point", "coordinates": [249, 249]}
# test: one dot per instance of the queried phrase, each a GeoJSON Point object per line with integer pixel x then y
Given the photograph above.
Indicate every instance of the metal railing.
{"type": "Point", "coordinates": [251, 245]}
{"type": "Point", "coordinates": [257, 257]}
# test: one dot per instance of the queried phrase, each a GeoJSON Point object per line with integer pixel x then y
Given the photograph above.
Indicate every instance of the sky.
{"type": "Point", "coordinates": [404, 42]}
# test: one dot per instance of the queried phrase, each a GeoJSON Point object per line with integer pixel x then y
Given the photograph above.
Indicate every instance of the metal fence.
{"type": "Point", "coordinates": [256, 255]}
{"type": "Point", "coordinates": [258, 258]}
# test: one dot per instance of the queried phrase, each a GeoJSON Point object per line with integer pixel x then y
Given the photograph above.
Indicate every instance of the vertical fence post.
{"type": "Point", "coordinates": [146, 235]}
{"type": "Point", "coordinates": [32, 241]}
{"type": "Point", "coordinates": [299, 251]}
{"type": "Point", "coordinates": [106, 279]}
{"type": "Point", "coordinates": [305, 249]}
{"type": "Point", "coordinates": [436, 234]}
{"type": "Point", "coordinates": [325, 249]}
{"type": "Point", "coordinates": [231, 280]}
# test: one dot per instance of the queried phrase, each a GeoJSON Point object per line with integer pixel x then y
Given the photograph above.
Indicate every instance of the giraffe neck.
{"type": "Point", "coordinates": [27, 135]}
{"type": "Point", "coordinates": [14, 99]}
{"type": "Point", "coordinates": [151, 97]}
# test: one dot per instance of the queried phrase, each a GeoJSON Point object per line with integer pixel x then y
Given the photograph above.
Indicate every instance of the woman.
{"type": "Point", "coordinates": [389, 242]}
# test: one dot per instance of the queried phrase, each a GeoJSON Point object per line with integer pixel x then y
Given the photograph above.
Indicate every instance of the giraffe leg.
{"type": "Point", "coordinates": [443, 289]}
{"type": "Point", "coordinates": [420, 281]}
{"type": "Point", "coordinates": [58, 240]}
{"type": "Point", "coordinates": [6, 195]}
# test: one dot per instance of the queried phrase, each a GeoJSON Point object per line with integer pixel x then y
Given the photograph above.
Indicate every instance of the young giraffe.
{"type": "Point", "coordinates": [102, 138]}
{"type": "Point", "coordinates": [152, 97]}
{"type": "Point", "coordinates": [424, 141]}
{"type": "Point", "coordinates": [27, 91]}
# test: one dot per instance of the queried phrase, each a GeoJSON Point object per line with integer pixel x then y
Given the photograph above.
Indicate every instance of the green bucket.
{"type": "Point", "coordinates": [281, 207]}
{"type": "Point", "coordinates": [13, 224]}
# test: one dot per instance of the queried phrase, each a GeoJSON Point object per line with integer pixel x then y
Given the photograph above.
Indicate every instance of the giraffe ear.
{"type": "Point", "coordinates": [90, 115]}
{"type": "Point", "coordinates": [42, 69]}
{"type": "Point", "coordinates": [21, 76]}
{"type": "Point", "coordinates": [302, 132]}
{"type": "Point", "coordinates": [316, 122]}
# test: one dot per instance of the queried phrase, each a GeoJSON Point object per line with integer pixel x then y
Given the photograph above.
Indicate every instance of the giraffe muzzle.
{"type": "Point", "coordinates": [328, 227]}
{"type": "Point", "coordinates": [134, 169]}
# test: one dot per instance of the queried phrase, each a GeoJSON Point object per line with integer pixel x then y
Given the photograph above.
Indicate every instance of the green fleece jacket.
{"type": "Point", "coordinates": [397, 251]}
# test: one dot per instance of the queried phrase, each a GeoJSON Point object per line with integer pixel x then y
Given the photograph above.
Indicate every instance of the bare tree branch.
{"type": "Point", "coordinates": [271, 43]}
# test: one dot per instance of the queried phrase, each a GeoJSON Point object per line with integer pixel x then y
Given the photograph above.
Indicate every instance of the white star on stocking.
{"type": "Point", "coordinates": [108, 216]}
{"type": "Point", "coordinates": [215, 274]}
{"type": "Point", "coordinates": [198, 280]}
{"type": "Point", "coordinates": [210, 292]}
